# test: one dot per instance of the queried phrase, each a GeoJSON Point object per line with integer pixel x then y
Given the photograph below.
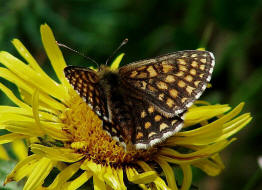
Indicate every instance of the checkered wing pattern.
{"type": "Point", "coordinates": [170, 82]}
{"type": "Point", "coordinates": [151, 127]}
{"type": "Point", "coordinates": [85, 82]}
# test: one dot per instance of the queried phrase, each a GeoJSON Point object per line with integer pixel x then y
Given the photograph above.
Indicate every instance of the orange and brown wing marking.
{"type": "Point", "coordinates": [170, 82]}
{"type": "Point", "coordinates": [85, 82]}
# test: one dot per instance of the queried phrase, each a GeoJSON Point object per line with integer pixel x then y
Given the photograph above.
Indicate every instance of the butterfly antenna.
{"type": "Point", "coordinates": [79, 53]}
{"type": "Point", "coordinates": [124, 42]}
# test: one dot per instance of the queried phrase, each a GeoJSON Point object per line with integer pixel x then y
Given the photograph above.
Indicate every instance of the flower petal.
{"type": "Point", "coordinates": [55, 153]}
{"type": "Point", "coordinates": [187, 179]}
{"type": "Point", "coordinates": [79, 181]}
{"type": "Point", "coordinates": [142, 178]}
{"type": "Point", "coordinates": [48, 109]}
{"type": "Point", "coordinates": [23, 168]}
{"type": "Point", "coordinates": [55, 130]}
{"type": "Point", "coordinates": [173, 156]}
{"type": "Point", "coordinates": [158, 181]}
{"type": "Point", "coordinates": [28, 112]}
{"type": "Point", "coordinates": [212, 166]}
{"type": "Point", "coordinates": [198, 114]}
{"type": "Point", "coordinates": [22, 127]}
{"type": "Point", "coordinates": [3, 153]}
{"type": "Point", "coordinates": [216, 131]}
{"type": "Point", "coordinates": [41, 170]}
{"type": "Point", "coordinates": [33, 78]}
{"type": "Point", "coordinates": [221, 120]}
{"type": "Point", "coordinates": [117, 61]}
{"type": "Point", "coordinates": [20, 149]}
{"type": "Point", "coordinates": [13, 98]}
{"type": "Point", "coordinates": [11, 137]}
{"type": "Point", "coordinates": [169, 173]}
{"type": "Point", "coordinates": [120, 175]}
{"type": "Point", "coordinates": [54, 53]}
{"type": "Point", "coordinates": [98, 183]}
{"type": "Point", "coordinates": [28, 87]}
{"type": "Point", "coordinates": [110, 178]}
{"type": "Point", "coordinates": [64, 175]}
{"type": "Point", "coordinates": [29, 58]}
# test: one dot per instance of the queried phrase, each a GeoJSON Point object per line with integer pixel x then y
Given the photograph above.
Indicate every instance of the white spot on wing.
{"type": "Point", "coordinates": [159, 140]}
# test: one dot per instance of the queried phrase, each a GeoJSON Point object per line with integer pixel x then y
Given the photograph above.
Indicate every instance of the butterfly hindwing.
{"type": "Point", "coordinates": [85, 81]}
{"type": "Point", "coordinates": [170, 82]}
{"type": "Point", "coordinates": [151, 126]}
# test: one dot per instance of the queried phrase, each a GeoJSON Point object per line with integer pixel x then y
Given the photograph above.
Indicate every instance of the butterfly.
{"type": "Point", "coordinates": [143, 103]}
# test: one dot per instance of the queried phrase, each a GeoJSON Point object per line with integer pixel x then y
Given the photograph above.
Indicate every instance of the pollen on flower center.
{"type": "Point", "coordinates": [90, 139]}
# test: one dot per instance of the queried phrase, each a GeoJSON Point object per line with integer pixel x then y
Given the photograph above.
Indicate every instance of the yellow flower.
{"type": "Point", "coordinates": [64, 134]}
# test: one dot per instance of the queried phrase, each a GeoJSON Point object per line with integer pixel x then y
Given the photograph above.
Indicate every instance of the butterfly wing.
{"type": "Point", "coordinates": [151, 127]}
{"type": "Point", "coordinates": [170, 82]}
{"type": "Point", "coordinates": [136, 121]}
{"type": "Point", "coordinates": [85, 82]}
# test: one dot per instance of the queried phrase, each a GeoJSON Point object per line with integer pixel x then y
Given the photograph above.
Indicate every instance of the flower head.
{"type": "Point", "coordinates": [63, 133]}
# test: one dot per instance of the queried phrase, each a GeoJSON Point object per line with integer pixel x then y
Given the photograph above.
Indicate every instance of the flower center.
{"type": "Point", "coordinates": [90, 139]}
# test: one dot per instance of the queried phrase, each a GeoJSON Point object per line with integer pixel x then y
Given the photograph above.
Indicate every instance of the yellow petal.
{"type": "Point", "coordinates": [110, 178]}
{"type": "Point", "coordinates": [212, 166]}
{"type": "Point", "coordinates": [78, 182]}
{"type": "Point", "coordinates": [23, 127]}
{"type": "Point", "coordinates": [30, 76]}
{"type": "Point", "coordinates": [20, 149]}
{"type": "Point", "coordinates": [28, 112]}
{"type": "Point", "coordinates": [64, 175]}
{"type": "Point", "coordinates": [55, 130]}
{"type": "Point", "coordinates": [54, 53]}
{"type": "Point", "coordinates": [119, 173]}
{"type": "Point", "coordinates": [198, 114]}
{"type": "Point", "coordinates": [3, 153]}
{"type": "Point", "coordinates": [219, 121]}
{"type": "Point", "coordinates": [98, 183]}
{"type": "Point", "coordinates": [29, 58]}
{"type": "Point", "coordinates": [169, 173]}
{"type": "Point", "coordinates": [28, 87]}
{"type": "Point", "coordinates": [11, 137]}
{"type": "Point", "coordinates": [142, 178]}
{"type": "Point", "coordinates": [41, 170]}
{"type": "Point", "coordinates": [216, 131]}
{"type": "Point", "coordinates": [13, 98]}
{"type": "Point", "coordinates": [27, 98]}
{"type": "Point", "coordinates": [173, 156]}
{"type": "Point", "coordinates": [55, 153]}
{"type": "Point", "coordinates": [160, 184]}
{"type": "Point", "coordinates": [201, 49]}
{"type": "Point", "coordinates": [117, 61]}
{"type": "Point", "coordinates": [35, 106]}
{"type": "Point", "coordinates": [232, 127]}
{"type": "Point", "coordinates": [23, 168]}
{"type": "Point", "coordinates": [92, 166]}
{"type": "Point", "coordinates": [187, 179]}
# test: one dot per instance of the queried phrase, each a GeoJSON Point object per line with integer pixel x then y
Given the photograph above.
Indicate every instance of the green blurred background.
{"type": "Point", "coordinates": [232, 30]}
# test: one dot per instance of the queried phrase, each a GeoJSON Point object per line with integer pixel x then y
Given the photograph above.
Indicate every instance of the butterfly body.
{"type": "Point", "coordinates": [143, 103]}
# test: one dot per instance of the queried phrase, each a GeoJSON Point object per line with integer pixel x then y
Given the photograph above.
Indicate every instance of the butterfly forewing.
{"type": "Point", "coordinates": [170, 82]}
{"type": "Point", "coordinates": [85, 82]}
